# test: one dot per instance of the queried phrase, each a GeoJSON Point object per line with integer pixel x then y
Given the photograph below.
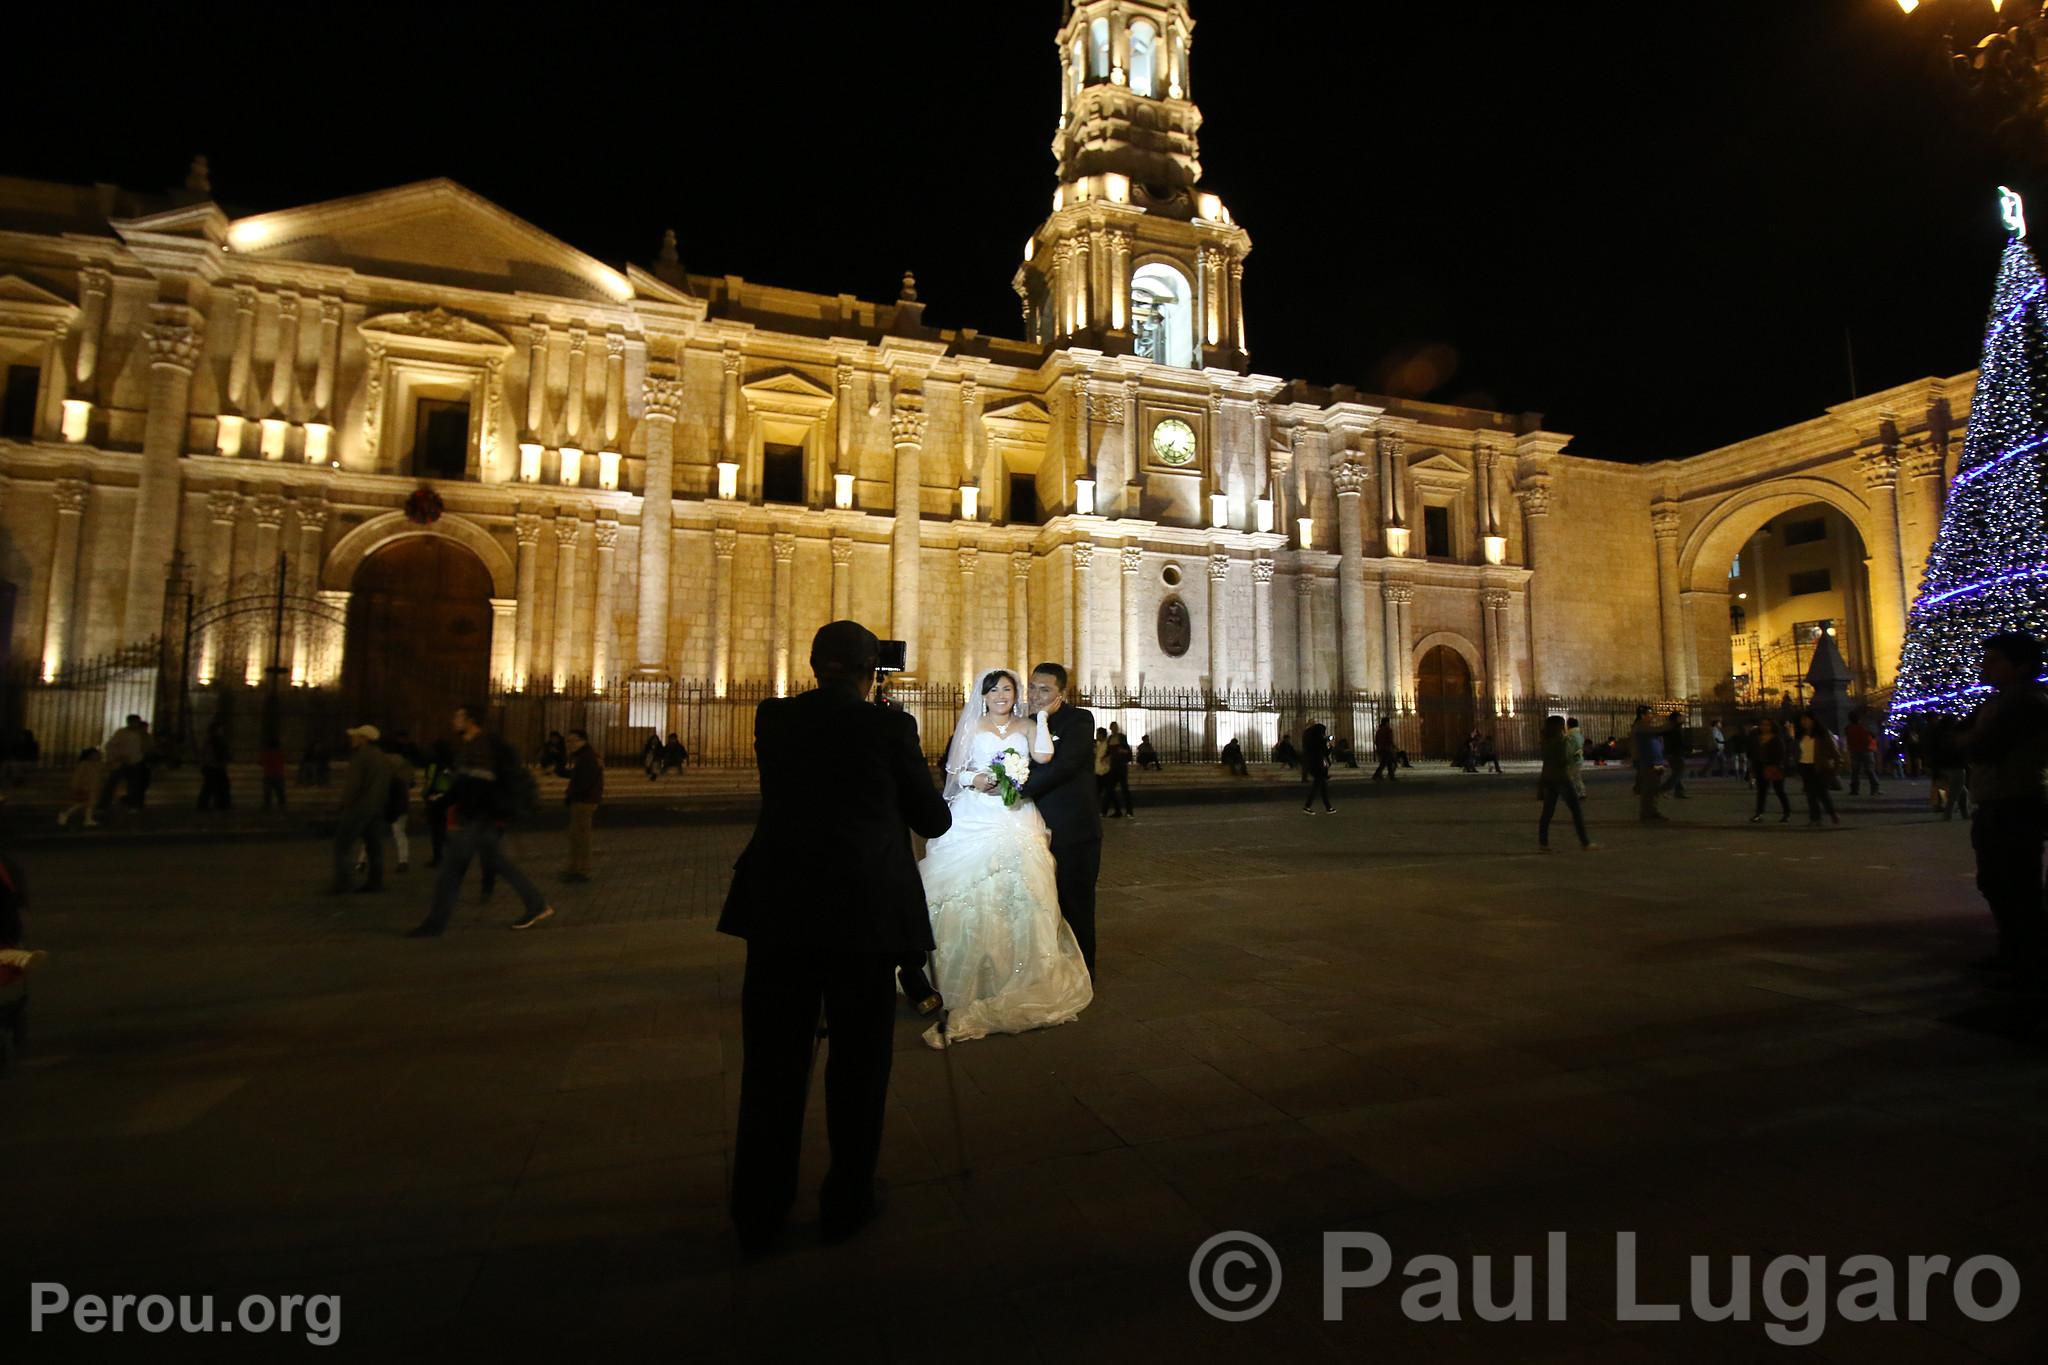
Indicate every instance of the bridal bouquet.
{"type": "Point", "coordinates": [1009, 770]}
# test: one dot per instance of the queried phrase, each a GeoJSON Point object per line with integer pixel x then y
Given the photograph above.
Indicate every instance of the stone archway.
{"type": "Point", "coordinates": [1762, 618]}
{"type": "Point", "coordinates": [419, 636]}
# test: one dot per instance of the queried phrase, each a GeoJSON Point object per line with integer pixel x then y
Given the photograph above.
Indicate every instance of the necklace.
{"type": "Point", "coordinates": [1002, 727]}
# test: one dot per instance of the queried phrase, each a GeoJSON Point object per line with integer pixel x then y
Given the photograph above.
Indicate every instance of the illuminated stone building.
{"type": "Point", "coordinates": [642, 473]}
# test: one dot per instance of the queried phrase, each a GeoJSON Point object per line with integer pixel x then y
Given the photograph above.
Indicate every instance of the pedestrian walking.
{"type": "Point", "coordinates": [127, 765]}
{"type": "Point", "coordinates": [1951, 768]}
{"type": "Point", "coordinates": [1647, 749]}
{"type": "Point", "coordinates": [1717, 739]}
{"type": "Point", "coordinates": [84, 788]}
{"type": "Point", "coordinates": [270, 762]}
{"type": "Point", "coordinates": [437, 780]}
{"type": "Point", "coordinates": [398, 807]}
{"type": "Point", "coordinates": [586, 790]}
{"type": "Point", "coordinates": [492, 788]}
{"type": "Point", "coordinates": [1383, 751]}
{"type": "Point", "coordinates": [365, 792]}
{"type": "Point", "coordinates": [1862, 744]}
{"type": "Point", "coordinates": [1120, 771]}
{"type": "Point", "coordinates": [1315, 767]}
{"type": "Point", "coordinates": [1818, 759]}
{"type": "Point", "coordinates": [1575, 756]}
{"type": "Point", "coordinates": [1676, 750]}
{"type": "Point", "coordinates": [1767, 759]}
{"type": "Point", "coordinates": [1489, 756]}
{"type": "Point", "coordinates": [213, 768]}
{"type": "Point", "coordinates": [1555, 784]}
{"type": "Point", "coordinates": [2006, 741]}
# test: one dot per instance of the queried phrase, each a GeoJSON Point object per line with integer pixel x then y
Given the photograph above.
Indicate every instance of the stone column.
{"type": "Point", "coordinates": [842, 578]}
{"type": "Point", "coordinates": [174, 339]}
{"type": "Point", "coordinates": [970, 431]}
{"type": "Point", "coordinates": [1499, 665]}
{"type": "Point", "coordinates": [95, 284]}
{"type": "Point", "coordinates": [1219, 622]}
{"type": "Point", "coordinates": [284, 367]}
{"type": "Point", "coordinates": [572, 416]}
{"type": "Point", "coordinates": [1400, 644]}
{"type": "Point", "coordinates": [1131, 624]}
{"type": "Point", "coordinates": [312, 532]}
{"type": "Point", "coordinates": [842, 423]}
{"type": "Point", "coordinates": [268, 511]}
{"type": "Point", "coordinates": [1664, 523]}
{"type": "Point", "coordinates": [1020, 609]}
{"type": "Point", "coordinates": [526, 526]}
{"type": "Point", "coordinates": [782, 545]}
{"type": "Point", "coordinates": [1237, 302]}
{"type": "Point", "coordinates": [1887, 575]}
{"type": "Point", "coordinates": [1534, 489]}
{"type": "Point", "coordinates": [72, 497]}
{"type": "Point", "coordinates": [568, 528]}
{"type": "Point", "coordinates": [1348, 478]}
{"type": "Point", "coordinates": [330, 353]}
{"type": "Point", "coordinates": [223, 507]}
{"type": "Point", "coordinates": [1084, 616]}
{"type": "Point", "coordinates": [504, 641]}
{"type": "Point", "coordinates": [614, 386]}
{"type": "Point", "coordinates": [1924, 466]}
{"type": "Point", "coordinates": [606, 627]}
{"type": "Point", "coordinates": [243, 358]}
{"type": "Point", "coordinates": [1132, 500]}
{"type": "Point", "coordinates": [1304, 629]}
{"type": "Point", "coordinates": [537, 380]}
{"type": "Point", "coordinates": [906, 430]}
{"type": "Point", "coordinates": [963, 635]}
{"type": "Point", "coordinates": [663, 394]}
{"type": "Point", "coordinates": [724, 540]}
{"type": "Point", "coordinates": [1262, 625]}
{"type": "Point", "coordinates": [729, 409]}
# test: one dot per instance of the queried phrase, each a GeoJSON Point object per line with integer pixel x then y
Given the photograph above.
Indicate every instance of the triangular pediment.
{"type": "Point", "coordinates": [787, 382]}
{"type": "Point", "coordinates": [1024, 409]}
{"type": "Point", "coordinates": [201, 222]}
{"type": "Point", "coordinates": [20, 295]}
{"type": "Point", "coordinates": [434, 232]}
{"type": "Point", "coordinates": [1436, 462]}
{"type": "Point", "coordinates": [432, 325]}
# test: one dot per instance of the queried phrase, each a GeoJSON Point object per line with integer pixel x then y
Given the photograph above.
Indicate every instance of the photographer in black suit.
{"type": "Point", "coordinates": [828, 897]}
{"type": "Point", "coordinates": [1064, 791]}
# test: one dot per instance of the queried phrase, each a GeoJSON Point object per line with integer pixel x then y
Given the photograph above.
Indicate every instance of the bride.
{"type": "Point", "coordinates": [1006, 961]}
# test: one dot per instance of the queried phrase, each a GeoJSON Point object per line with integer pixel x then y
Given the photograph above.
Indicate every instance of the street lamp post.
{"type": "Point", "coordinates": [1998, 52]}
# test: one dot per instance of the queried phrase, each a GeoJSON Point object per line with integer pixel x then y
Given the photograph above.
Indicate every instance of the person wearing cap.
{"type": "Point", "coordinates": [365, 787]}
{"type": "Point", "coordinates": [827, 896]}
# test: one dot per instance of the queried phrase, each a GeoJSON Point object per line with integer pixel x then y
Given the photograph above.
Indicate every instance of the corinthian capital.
{"type": "Point", "coordinates": [662, 396]}
{"type": "Point", "coordinates": [1664, 520]}
{"type": "Point", "coordinates": [175, 338]}
{"type": "Point", "coordinates": [1535, 492]}
{"type": "Point", "coordinates": [906, 423]}
{"type": "Point", "coordinates": [1347, 476]}
{"type": "Point", "coordinates": [1262, 571]}
{"type": "Point", "coordinates": [1880, 465]}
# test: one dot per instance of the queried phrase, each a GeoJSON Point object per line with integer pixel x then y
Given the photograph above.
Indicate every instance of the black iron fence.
{"type": "Point", "coordinates": [1185, 726]}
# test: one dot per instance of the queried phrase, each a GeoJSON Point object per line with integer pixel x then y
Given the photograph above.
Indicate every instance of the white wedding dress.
{"type": "Point", "coordinates": [1006, 961]}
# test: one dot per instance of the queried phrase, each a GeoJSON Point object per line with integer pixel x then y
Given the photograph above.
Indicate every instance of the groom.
{"type": "Point", "coordinates": [1064, 790]}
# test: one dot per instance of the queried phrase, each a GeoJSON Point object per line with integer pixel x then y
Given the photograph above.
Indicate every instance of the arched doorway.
{"type": "Point", "coordinates": [1443, 701]}
{"type": "Point", "coordinates": [419, 636]}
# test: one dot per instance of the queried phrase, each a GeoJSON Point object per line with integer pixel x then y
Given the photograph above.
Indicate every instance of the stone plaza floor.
{"type": "Point", "coordinates": [1729, 1039]}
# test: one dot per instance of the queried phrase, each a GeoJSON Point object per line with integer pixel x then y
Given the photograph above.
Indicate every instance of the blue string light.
{"type": "Point", "coordinates": [1986, 571]}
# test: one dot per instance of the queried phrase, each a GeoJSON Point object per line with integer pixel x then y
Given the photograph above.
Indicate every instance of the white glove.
{"type": "Point", "coordinates": [1041, 746]}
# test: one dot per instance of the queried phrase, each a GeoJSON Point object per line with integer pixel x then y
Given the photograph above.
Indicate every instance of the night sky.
{"type": "Point", "coordinates": [1663, 238]}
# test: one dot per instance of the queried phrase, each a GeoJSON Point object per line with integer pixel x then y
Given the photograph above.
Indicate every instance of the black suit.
{"type": "Point", "coordinates": [1064, 791]}
{"type": "Point", "coordinates": [828, 897]}
{"type": "Point", "coordinates": [1315, 765]}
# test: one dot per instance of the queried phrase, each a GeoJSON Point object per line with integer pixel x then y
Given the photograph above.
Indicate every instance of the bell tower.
{"type": "Point", "coordinates": [1136, 258]}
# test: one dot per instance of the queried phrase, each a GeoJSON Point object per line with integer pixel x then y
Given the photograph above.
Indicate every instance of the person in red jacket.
{"type": "Point", "coordinates": [1862, 753]}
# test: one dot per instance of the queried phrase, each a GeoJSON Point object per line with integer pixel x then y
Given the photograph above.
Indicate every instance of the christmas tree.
{"type": "Point", "coordinates": [1988, 569]}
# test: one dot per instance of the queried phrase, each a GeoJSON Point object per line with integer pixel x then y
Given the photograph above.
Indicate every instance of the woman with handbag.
{"type": "Point", "coordinates": [1767, 762]}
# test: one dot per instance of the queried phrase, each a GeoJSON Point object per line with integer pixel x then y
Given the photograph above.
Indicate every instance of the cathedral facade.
{"type": "Point", "coordinates": [471, 457]}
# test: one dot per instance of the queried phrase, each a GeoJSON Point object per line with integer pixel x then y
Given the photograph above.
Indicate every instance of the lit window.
{"type": "Point", "coordinates": [1144, 63]}
{"type": "Point", "coordinates": [1076, 73]}
{"type": "Point", "coordinates": [1098, 50]}
{"type": "Point", "coordinates": [1735, 567]}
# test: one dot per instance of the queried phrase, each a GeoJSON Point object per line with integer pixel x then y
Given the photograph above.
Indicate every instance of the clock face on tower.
{"type": "Point", "coordinates": [1173, 441]}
